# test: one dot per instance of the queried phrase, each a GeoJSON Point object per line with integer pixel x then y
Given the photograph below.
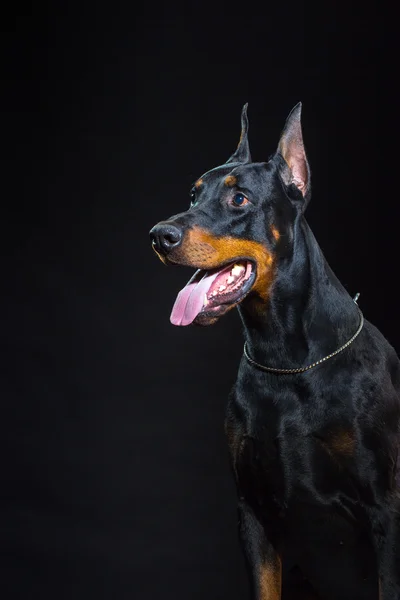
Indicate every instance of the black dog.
{"type": "Point", "coordinates": [313, 421]}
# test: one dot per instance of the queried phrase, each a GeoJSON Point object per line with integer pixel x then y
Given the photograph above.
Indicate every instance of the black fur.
{"type": "Point", "coordinates": [315, 454]}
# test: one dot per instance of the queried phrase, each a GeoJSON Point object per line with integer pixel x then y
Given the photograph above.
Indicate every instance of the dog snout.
{"type": "Point", "coordinates": [165, 237]}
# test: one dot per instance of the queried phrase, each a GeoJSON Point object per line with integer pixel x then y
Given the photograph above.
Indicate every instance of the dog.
{"type": "Point", "coordinates": [313, 420]}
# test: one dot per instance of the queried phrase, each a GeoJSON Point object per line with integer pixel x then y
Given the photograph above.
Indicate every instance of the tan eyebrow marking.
{"type": "Point", "coordinates": [230, 180]}
{"type": "Point", "coordinates": [198, 183]}
{"type": "Point", "coordinates": [275, 232]}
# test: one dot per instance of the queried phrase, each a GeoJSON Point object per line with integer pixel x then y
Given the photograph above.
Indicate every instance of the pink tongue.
{"type": "Point", "coordinates": [190, 300]}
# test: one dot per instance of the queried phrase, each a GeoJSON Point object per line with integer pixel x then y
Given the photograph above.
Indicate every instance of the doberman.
{"type": "Point", "coordinates": [313, 421]}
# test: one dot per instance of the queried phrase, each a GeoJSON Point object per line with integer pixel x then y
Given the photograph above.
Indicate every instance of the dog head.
{"type": "Point", "coordinates": [238, 228]}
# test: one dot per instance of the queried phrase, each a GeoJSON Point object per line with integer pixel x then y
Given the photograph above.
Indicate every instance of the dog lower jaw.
{"type": "Point", "coordinates": [209, 315]}
{"type": "Point", "coordinates": [212, 292]}
{"type": "Point", "coordinates": [204, 319]}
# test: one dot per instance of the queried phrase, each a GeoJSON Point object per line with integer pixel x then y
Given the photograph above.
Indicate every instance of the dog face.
{"type": "Point", "coordinates": [238, 227]}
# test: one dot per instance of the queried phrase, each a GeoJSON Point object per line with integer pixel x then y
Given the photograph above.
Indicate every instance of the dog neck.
{"type": "Point", "coordinates": [308, 314]}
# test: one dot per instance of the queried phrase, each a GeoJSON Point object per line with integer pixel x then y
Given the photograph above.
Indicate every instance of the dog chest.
{"type": "Point", "coordinates": [278, 457]}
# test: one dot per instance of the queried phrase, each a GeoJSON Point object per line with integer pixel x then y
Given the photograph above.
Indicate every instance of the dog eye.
{"type": "Point", "coordinates": [193, 200]}
{"type": "Point", "coordinates": [239, 199]}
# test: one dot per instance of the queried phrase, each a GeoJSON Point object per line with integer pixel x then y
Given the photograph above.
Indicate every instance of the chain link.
{"type": "Point", "coordinates": [315, 364]}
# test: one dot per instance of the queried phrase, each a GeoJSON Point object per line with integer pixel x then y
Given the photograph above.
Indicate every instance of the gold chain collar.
{"type": "Point", "coordinates": [315, 364]}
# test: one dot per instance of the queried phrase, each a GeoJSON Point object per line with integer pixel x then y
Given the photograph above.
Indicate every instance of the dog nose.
{"type": "Point", "coordinates": [165, 237]}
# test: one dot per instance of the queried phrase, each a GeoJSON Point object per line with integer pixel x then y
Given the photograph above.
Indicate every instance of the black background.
{"type": "Point", "coordinates": [115, 480]}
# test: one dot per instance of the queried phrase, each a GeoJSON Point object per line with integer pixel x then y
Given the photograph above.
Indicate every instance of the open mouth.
{"type": "Point", "coordinates": [209, 293]}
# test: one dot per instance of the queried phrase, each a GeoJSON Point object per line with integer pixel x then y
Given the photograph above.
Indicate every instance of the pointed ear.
{"type": "Point", "coordinates": [242, 153]}
{"type": "Point", "coordinates": [291, 148]}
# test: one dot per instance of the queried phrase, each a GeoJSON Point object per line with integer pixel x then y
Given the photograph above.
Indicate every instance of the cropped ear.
{"type": "Point", "coordinates": [242, 152]}
{"type": "Point", "coordinates": [291, 148]}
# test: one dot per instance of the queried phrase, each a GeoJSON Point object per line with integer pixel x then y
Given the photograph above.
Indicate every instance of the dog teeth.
{"type": "Point", "coordinates": [205, 300]}
{"type": "Point", "coordinates": [230, 279]}
{"type": "Point", "coordinates": [237, 270]}
{"type": "Point", "coordinates": [222, 288]}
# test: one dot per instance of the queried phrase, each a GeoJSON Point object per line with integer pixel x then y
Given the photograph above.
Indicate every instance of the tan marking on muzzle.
{"type": "Point", "coordinates": [202, 250]}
